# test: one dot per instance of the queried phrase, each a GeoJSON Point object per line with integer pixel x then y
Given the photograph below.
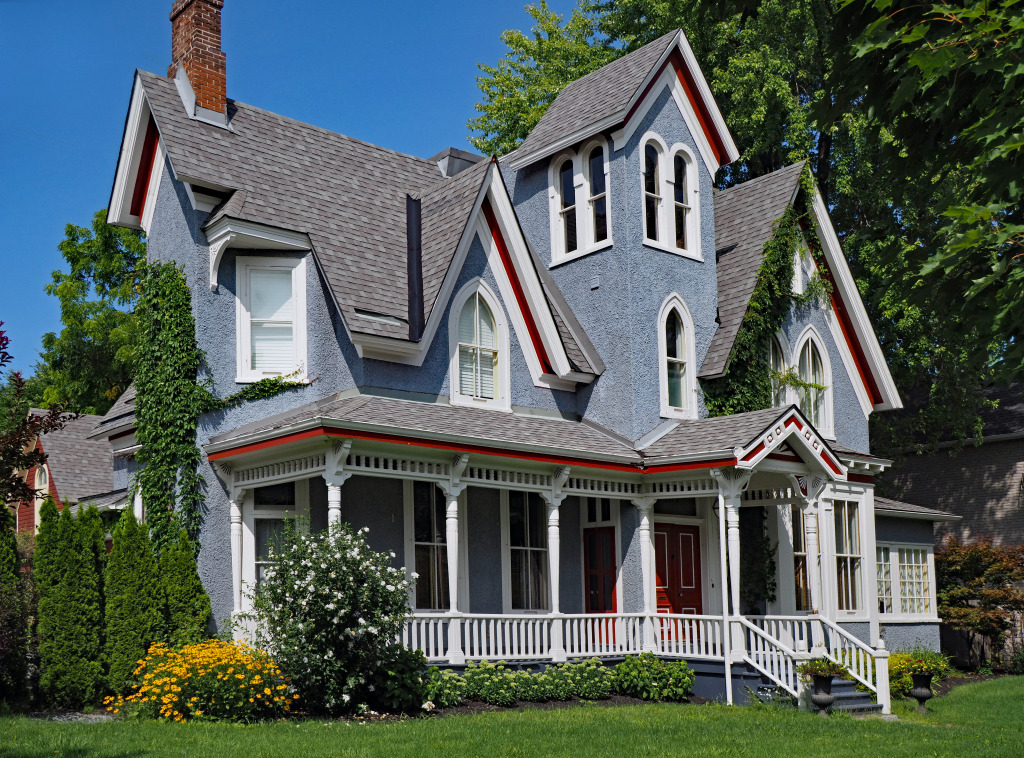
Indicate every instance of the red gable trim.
{"type": "Point", "coordinates": [861, 478]}
{"type": "Point", "coordinates": [145, 169]}
{"type": "Point", "coordinates": [704, 118]}
{"type": "Point", "coordinates": [517, 287]}
{"type": "Point", "coordinates": [466, 448]}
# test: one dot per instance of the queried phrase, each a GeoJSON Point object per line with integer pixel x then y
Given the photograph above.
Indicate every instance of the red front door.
{"type": "Point", "coordinates": [677, 565]}
{"type": "Point", "coordinates": [599, 568]}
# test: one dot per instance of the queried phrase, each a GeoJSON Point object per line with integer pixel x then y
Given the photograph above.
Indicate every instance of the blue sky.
{"type": "Point", "coordinates": [400, 74]}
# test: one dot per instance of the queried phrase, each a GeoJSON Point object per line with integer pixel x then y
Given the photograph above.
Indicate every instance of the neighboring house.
{"type": "Point", "coordinates": [504, 363]}
{"type": "Point", "coordinates": [76, 468]}
{"type": "Point", "coordinates": [982, 483]}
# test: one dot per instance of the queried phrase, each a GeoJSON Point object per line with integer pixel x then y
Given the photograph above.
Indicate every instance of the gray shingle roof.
{"type": "Point", "coordinates": [896, 507]}
{"type": "Point", "coordinates": [78, 465]}
{"type": "Point", "coordinates": [713, 434]}
{"type": "Point", "coordinates": [745, 217]}
{"type": "Point", "coordinates": [120, 413]}
{"type": "Point", "coordinates": [347, 195]}
{"type": "Point", "coordinates": [596, 96]}
{"type": "Point", "coordinates": [487, 428]}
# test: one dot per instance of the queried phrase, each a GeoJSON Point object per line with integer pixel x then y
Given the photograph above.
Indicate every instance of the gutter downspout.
{"type": "Point", "coordinates": [726, 631]}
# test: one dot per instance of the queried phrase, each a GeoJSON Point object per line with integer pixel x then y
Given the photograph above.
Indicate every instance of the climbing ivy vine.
{"type": "Point", "coordinates": [747, 384]}
{"type": "Point", "coordinates": [170, 398]}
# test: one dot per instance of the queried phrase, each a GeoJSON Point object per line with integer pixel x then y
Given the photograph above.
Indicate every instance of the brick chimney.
{"type": "Point", "coordinates": [195, 50]}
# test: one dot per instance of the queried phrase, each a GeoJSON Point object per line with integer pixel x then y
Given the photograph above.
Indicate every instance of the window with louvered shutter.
{"type": "Point", "coordinates": [478, 350]}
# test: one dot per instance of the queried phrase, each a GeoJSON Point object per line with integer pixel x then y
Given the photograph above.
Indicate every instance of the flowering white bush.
{"type": "Point", "coordinates": [331, 610]}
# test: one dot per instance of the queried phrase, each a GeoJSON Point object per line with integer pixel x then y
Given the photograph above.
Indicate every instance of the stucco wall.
{"type": "Point", "coordinates": [633, 280]}
{"type": "Point", "coordinates": [859, 629]}
{"type": "Point", "coordinates": [632, 567]}
{"type": "Point", "coordinates": [570, 587]}
{"type": "Point", "coordinates": [483, 531]}
{"type": "Point", "coordinates": [908, 636]}
{"type": "Point", "coordinates": [377, 505]}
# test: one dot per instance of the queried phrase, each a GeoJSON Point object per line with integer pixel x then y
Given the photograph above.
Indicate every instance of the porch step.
{"type": "Point", "coordinates": [848, 699]}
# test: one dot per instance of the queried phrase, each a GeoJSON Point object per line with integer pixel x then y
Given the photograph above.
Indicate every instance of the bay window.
{"type": "Point", "coordinates": [904, 575]}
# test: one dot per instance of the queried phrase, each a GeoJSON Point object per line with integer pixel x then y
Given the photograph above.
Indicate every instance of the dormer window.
{"type": "Point", "coordinates": [479, 336]}
{"type": "Point", "coordinates": [677, 360]}
{"type": "Point", "coordinates": [271, 317]}
{"type": "Point", "coordinates": [580, 210]}
{"type": "Point", "coordinates": [671, 216]}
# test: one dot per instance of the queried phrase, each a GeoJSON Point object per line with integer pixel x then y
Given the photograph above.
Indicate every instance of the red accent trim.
{"type": "Point", "coordinates": [696, 102]}
{"type": "Point", "coordinates": [753, 452]}
{"type": "Point", "coordinates": [462, 448]}
{"type": "Point", "coordinates": [784, 457]}
{"type": "Point", "coordinates": [794, 420]}
{"type": "Point", "coordinates": [861, 478]}
{"type": "Point", "coordinates": [828, 461]}
{"type": "Point", "coordinates": [146, 160]}
{"type": "Point", "coordinates": [517, 287]}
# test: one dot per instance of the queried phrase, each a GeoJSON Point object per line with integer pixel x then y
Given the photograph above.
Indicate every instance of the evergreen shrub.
{"type": "Point", "coordinates": [212, 680]}
{"type": "Point", "coordinates": [332, 610]}
{"type": "Point", "coordinates": [133, 619]}
{"type": "Point", "coordinates": [13, 615]}
{"type": "Point", "coordinates": [185, 604]}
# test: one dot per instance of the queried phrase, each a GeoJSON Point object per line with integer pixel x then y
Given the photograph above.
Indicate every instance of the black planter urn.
{"type": "Point", "coordinates": [822, 696]}
{"type": "Point", "coordinates": [922, 691]}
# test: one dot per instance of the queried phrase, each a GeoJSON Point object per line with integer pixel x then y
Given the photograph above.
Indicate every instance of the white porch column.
{"type": "Point", "coordinates": [810, 488]}
{"type": "Point", "coordinates": [645, 534]}
{"type": "Point", "coordinates": [731, 484]}
{"type": "Point", "coordinates": [554, 500]}
{"type": "Point", "coordinates": [335, 476]}
{"type": "Point", "coordinates": [452, 490]}
{"type": "Point", "coordinates": [236, 497]}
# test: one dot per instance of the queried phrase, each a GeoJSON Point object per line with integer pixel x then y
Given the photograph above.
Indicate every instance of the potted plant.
{"type": "Point", "coordinates": [921, 672]}
{"type": "Point", "coordinates": [821, 671]}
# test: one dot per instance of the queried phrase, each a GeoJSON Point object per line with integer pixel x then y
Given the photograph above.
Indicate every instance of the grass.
{"type": "Point", "coordinates": [981, 719]}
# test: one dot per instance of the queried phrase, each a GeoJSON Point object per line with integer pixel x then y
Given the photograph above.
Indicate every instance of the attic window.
{"type": "Point", "coordinates": [671, 214]}
{"type": "Point", "coordinates": [580, 210]}
{"type": "Point", "coordinates": [568, 212]}
{"type": "Point", "coordinates": [478, 334]}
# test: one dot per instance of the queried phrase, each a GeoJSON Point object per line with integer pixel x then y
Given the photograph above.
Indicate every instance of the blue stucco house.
{"type": "Point", "coordinates": [503, 362]}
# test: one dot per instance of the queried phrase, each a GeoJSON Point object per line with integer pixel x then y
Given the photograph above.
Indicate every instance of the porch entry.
{"type": "Point", "coordinates": [677, 561]}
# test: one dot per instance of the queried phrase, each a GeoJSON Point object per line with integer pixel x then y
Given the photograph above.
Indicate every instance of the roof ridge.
{"type": "Point", "coordinates": [758, 180]}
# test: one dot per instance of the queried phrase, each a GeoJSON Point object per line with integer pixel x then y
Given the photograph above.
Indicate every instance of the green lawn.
{"type": "Point", "coordinates": [985, 719]}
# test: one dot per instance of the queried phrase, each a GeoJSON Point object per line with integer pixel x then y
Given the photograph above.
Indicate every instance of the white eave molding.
{"type": "Point", "coordinates": [136, 123]}
{"type": "Point", "coordinates": [792, 425]}
{"type": "Point", "coordinates": [229, 232]}
{"type": "Point", "coordinates": [865, 333]}
{"type": "Point", "coordinates": [616, 120]}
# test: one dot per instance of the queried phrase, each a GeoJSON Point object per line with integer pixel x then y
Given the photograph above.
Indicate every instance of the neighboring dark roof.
{"type": "Point", "coordinates": [596, 96]}
{"type": "Point", "coordinates": [347, 195]}
{"type": "Point", "coordinates": [908, 510]}
{"type": "Point", "coordinates": [78, 465]}
{"type": "Point", "coordinates": [745, 217]}
{"type": "Point", "coordinates": [121, 412]}
{"type": "Point", "coordinates": [1008, 417]}
{"type": "Point", "coordinates": [104, 500]}
{"type": "Point", "coordinates": [713, 434]}
{"type": "Point", "coordinates": [472, 425]}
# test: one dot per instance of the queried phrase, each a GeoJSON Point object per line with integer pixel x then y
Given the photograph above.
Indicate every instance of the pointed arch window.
{"type": "Point", "coordinates": [478, 349]}
{"type": "Point", "coordinates": [677, 360]}
{"type": "Point", "coordinates": [813, 369]}
{"type": "Point", "coordinates": [777, 363]}
{"type": "Point", "coordinates": [681, 200]}
{"type": "Point", "coordinates": [580, 204]}
{"type": "Point", "coordinates": [567, 188]}
{"type": "Point", "coordinates": [652, 191]}
{"type": "Point", "coordinates": [598, 195]}
{"type": "Point", "coordinates": [671, 213]}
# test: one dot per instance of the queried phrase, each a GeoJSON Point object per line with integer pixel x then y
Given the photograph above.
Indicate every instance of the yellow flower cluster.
{"type": "Point", "coordinates": [208, 680]}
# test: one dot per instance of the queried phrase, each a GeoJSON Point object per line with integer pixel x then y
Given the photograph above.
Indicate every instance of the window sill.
{"type": "Point", "coordinates": [902, 618]}
{"type": "Point", "coordinates": [463, 401]}
{"type": "Point", "coordinates": [301, 379]}
{"type": "Point", "coordinates": [674, 250]}
{"type": "Point", "coordinates": [678, 413]}
{"type": "Point", "coordinates": [555, 262]}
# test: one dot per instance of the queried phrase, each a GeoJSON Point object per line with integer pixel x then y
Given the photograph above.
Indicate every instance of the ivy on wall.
{"type": "Point", "coordinates": [747, 383]}
{"type": "Point", "coordinates": [170, 398]}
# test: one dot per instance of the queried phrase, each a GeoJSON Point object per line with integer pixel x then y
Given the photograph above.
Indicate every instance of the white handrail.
{"type": "Point", "coordinates": [774, 659]}
{"type": "Point", "coordinates": [850, 653]}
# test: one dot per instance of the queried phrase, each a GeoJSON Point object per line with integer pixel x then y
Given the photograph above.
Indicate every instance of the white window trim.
{"type": "Point", "coordinates": [243, 351]}
{"type": "Point", "coordinates": [899, 616]}
{"type": "Point", "coordinates": [250, 513]}
{"type": "Point", "coordinates": [42, 491]}
{"type": "Point", "coordinates": [666, 209]}
{"type": "Point", "coordinates": [787, 363]}
{"type": "Point", "coordinates": [585, 243]}
{"type": "Point", "coordinates": [506, 562]}
{"type": "Point", "coordinates": [616, 523]}
{"type": "Point", "coordinates": [827, 548]}
{"type": "Point", "coordinates": [675, 303]}
{"type": "Point", "coordinates": [501, 400]}
{"type": "Point", "coordinates": [409, 533]}
{"type": "Point", "coordinates": [827, 425]}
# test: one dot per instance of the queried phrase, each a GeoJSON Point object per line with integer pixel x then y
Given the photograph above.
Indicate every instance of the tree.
{"type": "Point", "coordinates": [186, 606]}
{"type": "Point", "coordinates": [978, 588]}
{"type": "Point", "coordinates": [70, 622]}
{"type": "Point", "coordinates": [132, 599]}
{"type": "Point", "coordinates": [92, 360]}
{"type": "Point", "coordinates": [13, 614]}
{"type": "Point", "coordinates": [946, 80]}
{"type": "Point", "coordinates": [775, 68]}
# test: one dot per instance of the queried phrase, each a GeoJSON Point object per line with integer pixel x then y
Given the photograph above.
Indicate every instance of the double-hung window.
{"type": "Point", "coordinates": [848, 554]}
{"type": "Point", "coordinates": [669, 179]}
{"type": "Point", "coordinates": [430, 545]}
{"type": "Point", "coordinates": [579, 201]}
{"type": "Point", "coordinates": [528, 551]}
{"type": "Point", "coordinates": [271, 317]}
{"type": "Point", "coordinates": [478, 350]}
{"type": "Point", "coordinates": [801, 581]}
{"type": "Point", "coordinates": [598, 195]}
{"type": "Point", "coordinates": [904, 580]}
{"type": "Point", "coordinates": [652, 191]}
{"type": "Point", "coordinates": [567, 213]}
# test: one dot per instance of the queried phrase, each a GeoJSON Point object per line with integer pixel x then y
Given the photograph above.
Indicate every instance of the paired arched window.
{"type": "Point", "coordinates": [479, 337]}
{"type": "Point", "coordinates": [669, 182]}
{"type": "Point", "coordinates": [42, 488]}
{"type": "Point", "coordinates": [677, 358]}
{"type": "Point", "coordinates": [580, 208]}
{"type": "Point", "coordinates": [812, 371]}
{"type": "Point", "coordinates": [777, 363]}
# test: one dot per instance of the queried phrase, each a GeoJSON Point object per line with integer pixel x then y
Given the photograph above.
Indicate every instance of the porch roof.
{"type": "Point", "coordinates": [888, 507]}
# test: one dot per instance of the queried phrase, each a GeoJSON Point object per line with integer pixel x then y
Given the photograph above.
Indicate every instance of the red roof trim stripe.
{"type": "Point", "coordinates": [517, 287]}
{"type": "Point", "coordinates": [146, 161]}
{"type": "Point", "coordinates": [753, 452]}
